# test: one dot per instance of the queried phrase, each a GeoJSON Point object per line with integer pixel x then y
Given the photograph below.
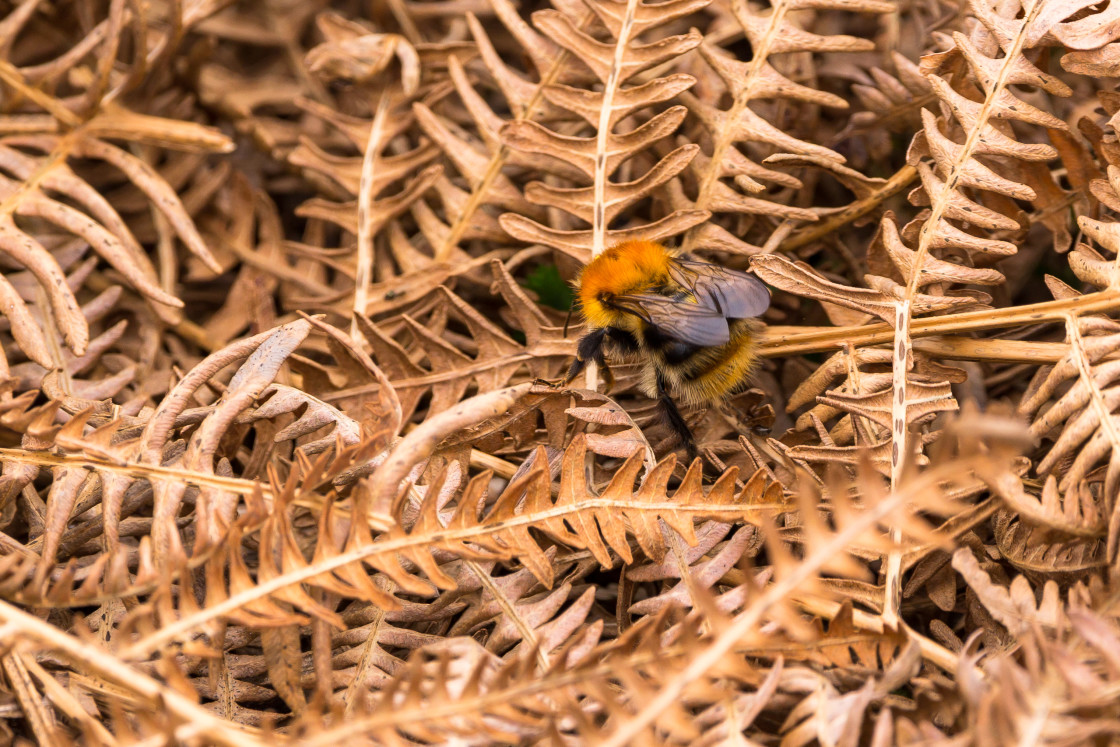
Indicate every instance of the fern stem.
{"type": "Point", "coordinates": [602, 146]}
{"type": "Point", "coordinates": [900, 452]}
{"type": "Point", "coordinates": [11, 75]}
{"type": "Point", "coordinates": [903, 360]}
{"type": "Point", "coordinates": [602, 139]}
{"type": "Point", "coordinates": [363, 273]}
{"type": "Point", "coordinates": [509, 609]}
{"type": "Point", "coordinates": [779, 346]}
{"type": "Point", "coordinates": [726, 137]}
{"type": "Point", "coordinates": [899, 181]}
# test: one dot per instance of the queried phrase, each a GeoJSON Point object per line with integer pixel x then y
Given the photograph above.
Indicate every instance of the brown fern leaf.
{"type": "Point", "coordinates": [892, 104]}
{"type": "Point", "coordinates": [712, 660]}
{"type": "Point", "coordinates": [597, 157]}
{"type": "Point", "coordinates": [980, 93]}
{"type": "Point", "coordinates": [879, 299]}
{"type": "Point", "coordinates": [515, 609]}
{"type": "Point", "coordinates": [1008, 701]}
{"type": "Point", "coordinates": [345, 172]}
{"type": "Point", "coordinates": [389, 268]}
{"type": "Point", "coordinates": [1087, 263]}
{"type": "Point", "coordinates": [1047, 533]}
{"type": "Point", "coordinates": [580, 522]}
{"type": "Point", "coordinates": [84, 381]}
{"type": "Point", "coordinates": [48, 124]}
{"type": "Point", "coordinates": [1016, 607]}
{"type": "Point", "coordinates": [830, 710]}
{"type": "Point", "coordinates": [740, 127]}
{"type": "Point", "coordinates": [490, 360]}
{"type": "Point", "coordinates": [605, 684]}
{"type": "Point", "coordinates": [330, 425]}
{"type": "Point", "coordinates": [1082, 416]}
{"type": "Point", "coordinates": [587, 686]}
{"type": "Point", "coordinates": [488, 695]}
{"type": "Point", "coordinates": [160, 709]}
{"type": "Point", "coordinates": [703, 572]}
{"type": "Point", "coordinates": [261, 103]}
{"type": "Point", "coordinates": [1041, 553]}
{"type": "Point", "coordinates": [482, 161]}
{"type": "Point", "coordinates": [576, 518]}
{"type": "Point", "coordinates": [97, 223]}
{"type": "Point", "coordinates": [980, 102]}
{"type": "Point", "coordinates": [853, 393]}
{"type": "Point", "coordinates": [125, 463]}
{"type": "Point", "coordinates": [246, 230]}
{"type": "Point", "coordinates": [366, 212]}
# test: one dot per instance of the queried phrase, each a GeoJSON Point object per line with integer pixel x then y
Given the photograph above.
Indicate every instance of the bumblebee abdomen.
{"type": "Point", "coordinates": [670, 350]}
{"type": "Point", "coordinates": [703, 375]}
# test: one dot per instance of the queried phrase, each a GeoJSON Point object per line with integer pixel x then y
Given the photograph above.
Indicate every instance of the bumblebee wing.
{"type": "Point", "coordinates": [735, 294]}
{"type": "Point", "coordinates": [682, 320]}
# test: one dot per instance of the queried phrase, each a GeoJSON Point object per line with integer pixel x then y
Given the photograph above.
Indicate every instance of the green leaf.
{"type": "Point", "coordinates": [550, 288]}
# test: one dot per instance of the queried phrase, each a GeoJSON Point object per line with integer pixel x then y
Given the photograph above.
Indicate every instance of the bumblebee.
{"type": "Point", "coordinates": [691, 323]}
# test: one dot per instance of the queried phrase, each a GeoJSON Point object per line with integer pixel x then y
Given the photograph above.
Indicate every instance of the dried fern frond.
{"type": "Point", "coordinates": [866, 431]}
{"type": "Point", "coordinates": [1006, 700]}
{"type": "Point", "coordinates": [1084, 413]}
{"type": "Point", "coordinates": [598, 156]}
{"type": "Point", "coordinates": [893, 103]}
{"type": "Point", "coordinates": [98, 224]}
{"type": "Point", "coordinates": [735, 132]}
{"type": "Point", "coordinates": [124, 463]}
{"type": "Point", "coordinates": [494, 360]}
{"type": "Point", "coordinates": [279, 283]}
{"type": "Point", "coordinates": [985, 124]}
{"type": "Point", "coordinates": [482, 160]}
{"type": "Point", "coordinates": [50, 122]}
{"type": "Point", "coordinates": [364, 179]}
{"type": "Point", "coordinates": [501, 534]}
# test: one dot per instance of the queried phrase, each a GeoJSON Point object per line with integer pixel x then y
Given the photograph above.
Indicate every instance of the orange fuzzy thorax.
{"type": "Point", "coordinates": [629, 267]}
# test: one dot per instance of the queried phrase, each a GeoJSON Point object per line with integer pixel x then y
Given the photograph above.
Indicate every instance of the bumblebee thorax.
{"type": "Point", "coordinates": [629, 267]}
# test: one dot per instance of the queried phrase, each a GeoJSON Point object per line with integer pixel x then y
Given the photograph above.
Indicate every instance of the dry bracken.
{"type": "Point", "coordinates": [282, 289]}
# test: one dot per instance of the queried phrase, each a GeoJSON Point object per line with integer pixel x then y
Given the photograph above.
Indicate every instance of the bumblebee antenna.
{"type": "Point", "coordinates": [568, 318]}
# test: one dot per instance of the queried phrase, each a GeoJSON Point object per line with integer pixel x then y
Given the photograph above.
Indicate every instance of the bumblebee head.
{"type": "Point", "coordinates": [629, 267]}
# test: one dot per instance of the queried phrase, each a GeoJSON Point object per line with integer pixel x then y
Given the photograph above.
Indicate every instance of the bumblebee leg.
{"type": "Point", "coordinates": [608, 377]}
{"type": "Point", "coordinates": [590, 348]}
{"type": "Point", "coordinates": [675, 420]}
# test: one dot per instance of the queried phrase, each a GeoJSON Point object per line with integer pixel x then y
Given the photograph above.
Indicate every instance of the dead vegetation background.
{"type": "Point", "coordinates": [276, 279]}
